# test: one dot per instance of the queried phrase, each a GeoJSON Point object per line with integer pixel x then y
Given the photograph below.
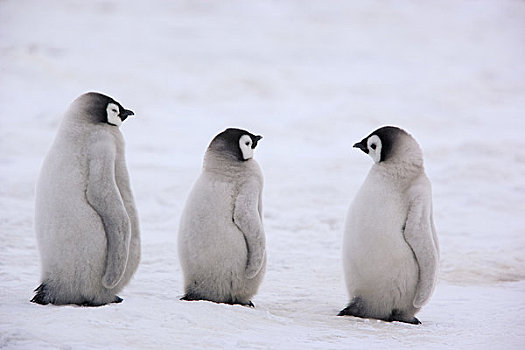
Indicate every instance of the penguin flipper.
{"type": "Point", "coordinates": [104, 196]}
{"type": "Point", "coordinates": [247, 217]}
{"type": "Point", "coordinates": [420, 235]}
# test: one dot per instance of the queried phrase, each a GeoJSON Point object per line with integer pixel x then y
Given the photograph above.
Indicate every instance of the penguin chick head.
{"type": "Point", "coordinates": [388, 143]}
{"type": "Point", "coordinates": [102, 109]}
{"type": "Point", "coordinates": [237, 143]}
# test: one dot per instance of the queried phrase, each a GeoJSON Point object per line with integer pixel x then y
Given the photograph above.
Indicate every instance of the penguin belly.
{"type": "Point", "coordinates": [380, 267]}
{"type": "Point", "coordinates": [212, 250]}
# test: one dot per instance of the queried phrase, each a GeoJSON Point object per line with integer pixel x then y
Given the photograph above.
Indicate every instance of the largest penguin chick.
{"type": "Point", "coordinates": [390, 245]}
{"type": "Point", "coordinates": [85, 218]}
{"type": "Point", "coordinates": [221, 238]}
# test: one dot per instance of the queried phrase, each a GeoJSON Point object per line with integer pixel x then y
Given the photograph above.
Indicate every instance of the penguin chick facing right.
{"type": "Point", "coordinates": [86, 221]}
{"type": "Point", "coordinates": [390, 246]}
{"type": "Point", "coordinates": [221, 238]}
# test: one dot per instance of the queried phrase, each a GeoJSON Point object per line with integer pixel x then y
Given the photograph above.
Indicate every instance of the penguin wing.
{"type": "Point", "coordinates": [247, 216]}
{"type": "Point", "coordinates": [420, 234]}
{"type": "Point", "coordinates": [104, 196]}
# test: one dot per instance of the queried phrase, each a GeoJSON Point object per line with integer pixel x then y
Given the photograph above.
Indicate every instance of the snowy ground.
{"type": "Point", "coordinates": [313, 78]}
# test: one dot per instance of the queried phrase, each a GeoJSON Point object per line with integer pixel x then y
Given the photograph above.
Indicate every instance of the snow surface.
{"type": "Point", "coordinates": [313, 77]}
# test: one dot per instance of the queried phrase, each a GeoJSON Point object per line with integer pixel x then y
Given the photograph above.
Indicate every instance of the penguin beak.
{"type": "Point", "coordinates": [256, 140]}
{"type": "Point", "coordinates": [125, 113]}
{"type": "Point", "coordinates": [361, 146]}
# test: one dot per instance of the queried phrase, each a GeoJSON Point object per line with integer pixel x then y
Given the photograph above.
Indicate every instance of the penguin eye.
{"type": "Point", "coordinates": [247, 143]}
{"type": "Point", "coordinates": [373, 146]}
{"type": "Point", "coordinates": [114, 110]}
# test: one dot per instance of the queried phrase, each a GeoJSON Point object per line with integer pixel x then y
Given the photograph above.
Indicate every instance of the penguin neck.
{"type": "Point", "coordinates": [405, 161]}
{"type": "Point", "coordinates": [223, 163]}
{"type": "Point", "coordinates": [401, 169]}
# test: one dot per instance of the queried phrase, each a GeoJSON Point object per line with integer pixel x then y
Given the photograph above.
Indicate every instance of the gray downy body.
{"type": "Point", "coordinates": [220, 229]}
{"type": "Point", "coordinates": [390, 248]}
{"type": "Point", "coordinates": [71, 234]}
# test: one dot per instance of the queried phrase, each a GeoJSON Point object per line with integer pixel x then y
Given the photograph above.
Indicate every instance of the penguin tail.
{"type": "Point", "coordinates": [355, 308]}
{"type": "Point", "coordinates": [41, 296]}
{"type": "Point", "coordinates": [191, 297]}
{"type": "Point", "coordinates": [117, 300]}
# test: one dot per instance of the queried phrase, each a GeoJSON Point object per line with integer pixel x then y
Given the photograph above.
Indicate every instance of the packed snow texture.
{"type": "Point", "coordinates": [312, 77]}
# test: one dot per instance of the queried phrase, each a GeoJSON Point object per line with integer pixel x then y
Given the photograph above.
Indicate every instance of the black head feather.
{"type": "Point", "coordinates": [228, 142]}
{"type": "Point", "coordinates": [97, 103]}
{"type": "Point", "coordinates": [388, 136]}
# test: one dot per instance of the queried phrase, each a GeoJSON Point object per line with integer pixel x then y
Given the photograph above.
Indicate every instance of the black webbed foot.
{"type": "Point", "coordinates": [400, 317]}
{"type": "Point", "coordinates": [89, 304]}
{"type": "Point", "coordinates": [194, 297]}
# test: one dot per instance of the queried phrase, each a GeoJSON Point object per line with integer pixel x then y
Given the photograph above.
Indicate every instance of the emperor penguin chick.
{"type": "Point", "coordinates": [85, 217]}
{"type": "Point", "coordinates": [221, 239]}
{"type": "Point", "coordinates": [390, 248]}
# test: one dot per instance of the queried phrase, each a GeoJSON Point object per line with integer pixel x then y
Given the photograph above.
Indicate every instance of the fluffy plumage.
{"type": "Point", "coordinates": [85, 217]}
{"type": "Point", "coordinates": [221, 238]}
{"type": "Point", "coordinates": [390, 247]}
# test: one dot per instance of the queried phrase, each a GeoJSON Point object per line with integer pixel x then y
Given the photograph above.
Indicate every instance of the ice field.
{"type": "Point", "coordinates": [312, 77]}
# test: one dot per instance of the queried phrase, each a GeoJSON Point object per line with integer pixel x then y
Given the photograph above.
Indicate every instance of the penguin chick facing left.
{"type": "Point", "coordinates": [390, 247]}
{"type": "Point", "coordinates": [86, 222]}
{"type": "Point", "coordinates": [221, 240]}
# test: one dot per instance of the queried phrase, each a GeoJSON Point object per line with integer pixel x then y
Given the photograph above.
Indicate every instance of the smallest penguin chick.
{"type": "Point", "coordinates": [221, 237]}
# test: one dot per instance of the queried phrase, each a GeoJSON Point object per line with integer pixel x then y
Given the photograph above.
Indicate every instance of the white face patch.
{"type": "Point", "coordinates": [374, 148]}
{"type": "Point", "coordinates": [245, 144]}
{"type": "Point", "coordinates": [113, 112]}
